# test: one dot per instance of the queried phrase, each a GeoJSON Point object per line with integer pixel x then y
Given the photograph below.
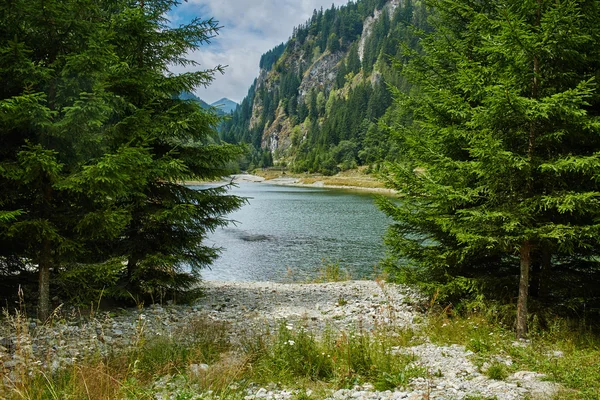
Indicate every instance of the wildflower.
{"type": "Point", "coordinates": [291, 342]}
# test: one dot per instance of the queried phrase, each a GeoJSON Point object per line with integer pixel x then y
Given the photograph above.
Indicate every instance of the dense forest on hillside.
{"type": "Point", "coordinates": [316, 124]}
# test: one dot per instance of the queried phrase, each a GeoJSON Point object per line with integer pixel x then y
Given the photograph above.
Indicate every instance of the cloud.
{"type": "Point", "coordinates": [250, 28]}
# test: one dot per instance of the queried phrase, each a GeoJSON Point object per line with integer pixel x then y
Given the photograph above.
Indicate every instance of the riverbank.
{"type": "Point", "coordinates": [351, 180]}
{"type": "Point", "coordinates": [348, 180]}
{"type": "Point", "coordinates": [365, 340]}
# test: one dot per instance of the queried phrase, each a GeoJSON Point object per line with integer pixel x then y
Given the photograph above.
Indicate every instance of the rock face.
{"type": "Point", "coordinates": [321, 74]}
{"type": "Point", "coordinates": [256, 306]}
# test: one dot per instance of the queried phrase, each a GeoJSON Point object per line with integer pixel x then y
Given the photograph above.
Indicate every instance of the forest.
{"type": "Point", "coordinates": [482, 116]}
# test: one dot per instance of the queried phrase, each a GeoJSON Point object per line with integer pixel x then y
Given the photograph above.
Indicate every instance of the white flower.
{"type": "Point", "coordinates": [291, 342]}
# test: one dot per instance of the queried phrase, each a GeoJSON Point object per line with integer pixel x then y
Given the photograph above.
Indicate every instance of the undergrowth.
{"type": "Point", "coordinates": [201, 359]}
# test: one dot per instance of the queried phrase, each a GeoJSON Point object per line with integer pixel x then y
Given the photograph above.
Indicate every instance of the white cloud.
{"type": "Point", "coordinates": [250, 28]}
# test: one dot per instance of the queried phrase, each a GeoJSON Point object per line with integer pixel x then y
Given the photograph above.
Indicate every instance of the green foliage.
{"type": "Point", "coordinates": [345, 358]}
{"type": "Point", "coordinates": [97, 145]}
{"type": "Point", "coordinates": [497, 371]}
{"type": "Point", "coordinates": [566, 351]}
{"type": "Point", "coordinates": [296, 354]}
{"type": "Point", "coordinates": [86, 284]}
{"type": "Point", "coordinates": [494, 146]}
{"type": "Point", "coordinates": [202, 342]}
{"type": "Point", "coordinates": [268, 59]}
{"type": "Point", "coordinates": [365, 96]}
{"type": "Point", "coordinates": [332, 272]}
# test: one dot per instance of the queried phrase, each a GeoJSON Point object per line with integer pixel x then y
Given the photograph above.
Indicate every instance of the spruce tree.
{"type": "Point", "coordinates": [500, 162]}
{"type": "Point", "coordinates": [55, 109]}
{"type": "Point", "coordinates": [168, 220]}
{"type": "Point", "coordinates": [96, 144]}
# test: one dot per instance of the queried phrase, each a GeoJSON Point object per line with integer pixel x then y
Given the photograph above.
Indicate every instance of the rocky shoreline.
{"type": "Point", "coordinates": [293, 181]}
{"type": "Point", "coordinates": [262, 306]}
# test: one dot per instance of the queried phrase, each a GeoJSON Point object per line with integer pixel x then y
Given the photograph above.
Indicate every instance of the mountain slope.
{"type": "Point", "coordinates": [318, 97]}
{"type": "Point", "coordinates": [191, 96]}
{"type": "Point", "coordinates": [225, 105]}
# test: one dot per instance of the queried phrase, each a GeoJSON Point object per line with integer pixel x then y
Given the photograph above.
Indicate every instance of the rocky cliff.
{"type": "Point", "coordinates": [327, 86]}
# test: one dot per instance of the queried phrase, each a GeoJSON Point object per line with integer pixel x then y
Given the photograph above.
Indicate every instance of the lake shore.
{"type": "Point", "coordinates": [318, 181]}
{"type": "Point", "coordinates": [259, 309]}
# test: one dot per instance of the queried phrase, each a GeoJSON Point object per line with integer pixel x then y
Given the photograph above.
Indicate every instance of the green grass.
{"type": "Point", "coordinates": [569, 355]}
{"type": "Point", "coordinates": [332, 272]}
{"type": "Point", "coordinates": [339, 358]}
{"type": "Point", "coordinates": [293, 357]}
{"type": "Point", "coordinates": [497, 372]}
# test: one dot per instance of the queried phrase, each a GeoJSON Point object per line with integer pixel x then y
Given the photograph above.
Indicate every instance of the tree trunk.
{"type": "Point", "coordinates": [45, 263]}
{"type": "Point", "coordinates": [523, 290]}
{"type": "Point", "coordinates": [45, 256]}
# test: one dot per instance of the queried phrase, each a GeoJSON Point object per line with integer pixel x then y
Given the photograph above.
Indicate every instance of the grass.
{"type": "Point", "coordinates": [356, 178]}
{"type": "Point", "coordinates": [569, 355]}
{"type": "Point", "coordinates": [332, 272]}
{"type": "Point", "coordinates": [340, 359]}
{"type": "Point", "coordinates": [199, 359]}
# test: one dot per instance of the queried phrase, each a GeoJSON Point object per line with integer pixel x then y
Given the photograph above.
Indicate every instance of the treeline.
{"type": "Point", "coordinates": [333, 127]}
{"type": "Point", "coordinates": [96, 145]}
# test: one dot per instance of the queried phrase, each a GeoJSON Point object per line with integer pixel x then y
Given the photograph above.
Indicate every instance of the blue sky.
{"type": "Point", "coordinates": [250, 28]}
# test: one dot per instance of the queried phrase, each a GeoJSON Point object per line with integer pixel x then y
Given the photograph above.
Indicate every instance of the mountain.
{"type": "Point", "coordinates": [225, 105]}
{"type": "Point", "coordinates": [316, 103]}
{"type": "Point", "coordinates": [191, 96]}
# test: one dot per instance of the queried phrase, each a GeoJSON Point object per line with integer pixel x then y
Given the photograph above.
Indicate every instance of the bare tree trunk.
{"type": "Point", "coordinates": [45, 263]}
{"type": "Point", "coordinates": [526, 246]}
{"type": "Point", "coordinates": [45, 256]}
{"type": "Point", "coordinates": [523, 290]}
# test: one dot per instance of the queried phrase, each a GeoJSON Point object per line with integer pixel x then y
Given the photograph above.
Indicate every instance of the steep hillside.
{"type": "Point", "coordinates": [316, 102]}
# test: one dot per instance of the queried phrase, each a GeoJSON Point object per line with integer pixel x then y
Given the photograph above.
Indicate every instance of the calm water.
{"type": "Point", "coordinates": [284, 233]}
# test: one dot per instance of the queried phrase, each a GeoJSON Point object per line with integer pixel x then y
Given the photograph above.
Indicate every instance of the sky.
{"type": "Point", "coordinates": [250, 28]}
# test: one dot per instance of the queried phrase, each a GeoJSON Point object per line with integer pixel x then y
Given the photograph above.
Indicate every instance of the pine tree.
{"type": "Point", "coordinates": [499, 165]}
{"type": "Point", "coordinates": [163, 241]}
{"type": "Point", "coordinates": [96, 143]}
{"type": "Point", "coordinates": [55, 109]}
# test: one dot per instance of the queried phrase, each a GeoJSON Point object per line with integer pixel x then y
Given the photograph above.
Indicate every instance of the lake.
{"type": "Point", "coordinates": [286, 234]}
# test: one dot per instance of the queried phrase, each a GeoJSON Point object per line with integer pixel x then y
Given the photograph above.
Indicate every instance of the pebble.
{"type": "Point", "coordinates": [261, 306]}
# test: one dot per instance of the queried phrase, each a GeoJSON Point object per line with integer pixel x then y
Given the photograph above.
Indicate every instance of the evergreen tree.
{"type": "Point", "coordinates": [500, 167]}
{"type": "Point", "coordinates": [96, 143]}
{"type": "Point", "coordinates": [54, 58]}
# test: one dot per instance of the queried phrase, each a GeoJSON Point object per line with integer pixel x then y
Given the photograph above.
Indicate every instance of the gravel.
{"type": "Point", "coordinates": [261, 306]}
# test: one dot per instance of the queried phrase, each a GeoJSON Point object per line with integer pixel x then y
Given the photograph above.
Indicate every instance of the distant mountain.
{"type": "Point", "coordinates": [225, 105]}
{"type": "Point", "coordinates": [192, 96]}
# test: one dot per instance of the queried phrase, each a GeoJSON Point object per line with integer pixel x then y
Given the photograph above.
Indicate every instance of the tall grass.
{"type": "Point", "coordinates": [332, 271]}
{"type": "Point", "coordinates": [343, 359]}
{"type": "Point", "coordinates": [200, 358]}
{"type": "Point", "coordinates": [125, 373]}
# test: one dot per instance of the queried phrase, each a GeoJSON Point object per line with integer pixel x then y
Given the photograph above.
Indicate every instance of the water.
{"type": "Point", "coordinates": [285, 233]}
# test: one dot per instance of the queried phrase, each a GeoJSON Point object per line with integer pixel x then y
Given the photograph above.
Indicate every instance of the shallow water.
{"type": "Point", "coordinates": [285, 233]}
